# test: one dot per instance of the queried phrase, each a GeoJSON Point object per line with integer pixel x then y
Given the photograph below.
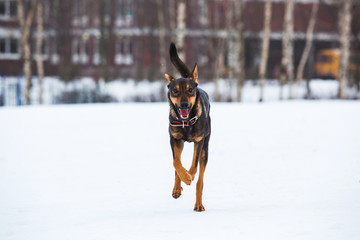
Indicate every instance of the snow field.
{"type": "Point", "coordinates": [284, 170]}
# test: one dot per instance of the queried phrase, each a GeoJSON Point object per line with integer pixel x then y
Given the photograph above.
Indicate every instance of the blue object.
{"type": "Point", "coordinates": [2, 100]}
{"type": "Point", "coordinates": [18, 91]}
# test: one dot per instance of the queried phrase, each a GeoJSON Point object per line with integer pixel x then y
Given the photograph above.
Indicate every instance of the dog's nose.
{"type": "Point", "coordinates": [184, 104]}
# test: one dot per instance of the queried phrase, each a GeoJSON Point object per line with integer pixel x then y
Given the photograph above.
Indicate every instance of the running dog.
{"type": "Point", "coordinates": [189, 121]}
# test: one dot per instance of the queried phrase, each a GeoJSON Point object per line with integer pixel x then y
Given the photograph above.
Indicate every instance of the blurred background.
{"type": "Point", "coordinates": [84, 51]}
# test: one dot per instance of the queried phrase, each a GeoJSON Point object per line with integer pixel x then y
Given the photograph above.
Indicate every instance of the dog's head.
{"type": "Point", "coordinates": [182, 91]}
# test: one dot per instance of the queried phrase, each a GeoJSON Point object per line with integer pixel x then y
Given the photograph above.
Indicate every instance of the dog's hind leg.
{"type": "Point", "coordinates": [177, 187]}
{"type": "Point", "coordinates": [198, 146]}
{"type": "Point", "coordinates": [177, 147]}
{"type": "Point", "coordinates": [200, 184]}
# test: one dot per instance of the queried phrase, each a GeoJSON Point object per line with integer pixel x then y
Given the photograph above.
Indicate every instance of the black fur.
{"type": "Point", "coordinates": [180, 66]}
{"type": "Point", "coordinates": [198, 131]}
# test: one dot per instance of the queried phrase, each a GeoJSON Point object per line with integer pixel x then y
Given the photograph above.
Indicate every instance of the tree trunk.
{"type": "Point", "coordinates": [39, 43]}
{"type": "Point", "coordinates": [230, 47]}
{"type": "Point", "coordinates": [162, 43]}
{"type": "Point", "coordinates": [219, 66]}
{"type": "Point", "coordinates": [63, 36]}
{"type": "Point", "coordinates": [107, 37]}
{"type": "Point", "coordinates": [181, 26]}
{"type": "Point", "coordinates": [162, 35]}
{"type": "Point", "coordinates": [287, 49]}
{"type": "Point", "coordinates": [291, 48]}
{"type": "Point", "coordinates": [25, 21]}
{"type": "Point", "coordinates": [345, 35]}
{"type": "Point", "coordinates": [310, 73]}
{"type": "Point", "coordinates": [239, 6]}
{"type": "Point", "coordinates": [265, 47]}
{"type": "Point", "coordinates": [309, 39]}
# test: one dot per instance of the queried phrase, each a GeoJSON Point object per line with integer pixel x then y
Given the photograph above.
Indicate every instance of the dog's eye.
{"type": "Point", "coordinates": [175, 91]}
{"type": "Point", "coordinates": [190, 90]}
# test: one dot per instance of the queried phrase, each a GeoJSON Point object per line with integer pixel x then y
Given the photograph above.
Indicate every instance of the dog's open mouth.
{"type": "Point", "coordinates": [184, 113]}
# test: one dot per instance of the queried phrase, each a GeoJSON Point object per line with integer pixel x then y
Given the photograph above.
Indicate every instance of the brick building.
{"type": "Point", "coordinates": [120, 38]}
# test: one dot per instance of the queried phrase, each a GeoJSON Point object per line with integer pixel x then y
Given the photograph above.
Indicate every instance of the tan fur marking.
{"type": "Point", "coordinates": [199, 108]}
{"type": "Point", "coordinates": [180, 170]}
{"type": "Point", "coordinates": [175, 100]}
{"type": "Point", "coordinates": [177, 186]}
{"type": "Point", "coordinates": [176, 135]}
{"type": "Point", "coordinates": [196, 139]}
{"type": "Point", "coordinates": [169, 77]}
{"type": "Point", "coordinates": [191, 100]}
{"type": "Point", "coordinates": [193, 169]}
{"type": "Point", "coordinates": [199, 189]}
{"type": "Point", "coordinates": [194, 74]}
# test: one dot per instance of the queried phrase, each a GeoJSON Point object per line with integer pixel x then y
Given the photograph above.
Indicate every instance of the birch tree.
{"type": "Point", "coordinates": [286, 68]}
{"type": "Point", "coordinates": [162, 35]}
{"type": "Point", "coordinates": [290, 29]}
{"type": "Point", "coordinates": [216, 52]}
{"type": "Point", "coordinates": [181, 26]}
{"type": "Point", "coordinates": [39, 44]}
{"type": "Point", "coordinates": [308, 44]}
{"type": "Point", "coordinates": [25, 17]}
{"type": "Point", "coordinates": [345, 37]}
{"type": "Point", "coordinates": [239, 6]}
{"type": "Point", "coordinates": [265, 47]}
{"type": "Point", "coordinates": [231, 41]}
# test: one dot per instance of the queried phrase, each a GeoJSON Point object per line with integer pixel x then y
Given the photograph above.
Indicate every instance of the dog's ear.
{"type": "Point", "coordinates": [169, 77]}
{"type": "Point", "coordinates": [194, 74]}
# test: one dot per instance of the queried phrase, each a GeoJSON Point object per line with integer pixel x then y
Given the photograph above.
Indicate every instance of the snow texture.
{"type": "Point", "coordinates": [281, 170]}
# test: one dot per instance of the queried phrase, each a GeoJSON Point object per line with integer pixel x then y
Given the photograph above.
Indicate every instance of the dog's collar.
{"type": "Point", "coordinates": [183, 124]}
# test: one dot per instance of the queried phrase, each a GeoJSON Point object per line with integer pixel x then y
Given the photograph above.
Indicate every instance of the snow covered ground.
{"type": "Point", "coordinates": [281, 170]}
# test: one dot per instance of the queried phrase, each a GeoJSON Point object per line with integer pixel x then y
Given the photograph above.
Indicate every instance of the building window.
{"type": "Point", "coordinates": [55, 52]}
{"type": "Point", "coordinates": [129, 12]}
{"type": "Point", "coordinates": [124, 50]}
{"type": "Point", "coordinates": [44, 48]}
{"type": "Point", "coordinates": [104, 12]}
{"type": "Point", "coordinates": [203, 12]}
{"type": "Point", "coordinates": [13, 8]}
{"type": "Point", "coordinates": [79, 13]}
{"type": "Point", "coordinates": [2, 45]}
{"type": "Point", "coordinates": [80, 50]}
{"type": "Point", "coordinates": [76, 8]}
{"type": "Point", "coordinates": [8, 8]}
{"type": "Point", "coordinates": [13, 46]}
{"type": "Point", "coordinates": [9, 48]}
{"type": "Point", "coordinates": [124, 12]}
{"type": "Point", "coordinates": [96, 57]}
{"type": "Point", "coordinates": [46, 10]}
{"type": "Point", "coordinates": [203, 57]}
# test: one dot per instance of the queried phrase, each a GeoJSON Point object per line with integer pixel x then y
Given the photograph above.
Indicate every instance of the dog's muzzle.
{"type": "Point", "coordinates": [184, 113]}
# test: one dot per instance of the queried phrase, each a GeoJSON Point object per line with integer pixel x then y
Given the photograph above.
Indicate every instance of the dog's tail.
{"type": "Point", "coordinates": [179, 65]}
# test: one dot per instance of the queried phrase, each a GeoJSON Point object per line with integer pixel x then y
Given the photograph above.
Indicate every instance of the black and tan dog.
{"type": "Point", "coordinates": [189, 121]}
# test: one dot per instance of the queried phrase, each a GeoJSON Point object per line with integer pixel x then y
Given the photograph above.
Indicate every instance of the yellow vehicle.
{"type": "Point", "coordinates": [327, 63]}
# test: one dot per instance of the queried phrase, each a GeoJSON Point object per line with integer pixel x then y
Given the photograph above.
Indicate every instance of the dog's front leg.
{"type": "Point", "coordinates": [198, 146]}
{"type": "Point", "coordinates": [176, 193]}
{"type": "Point", "coordinates": [177, 147]}
{"type": "Point", "coordinates": [199, 207]}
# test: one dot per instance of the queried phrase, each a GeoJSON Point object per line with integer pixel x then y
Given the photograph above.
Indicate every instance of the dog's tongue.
{"type": "Point", "coordinates": [184, 112]}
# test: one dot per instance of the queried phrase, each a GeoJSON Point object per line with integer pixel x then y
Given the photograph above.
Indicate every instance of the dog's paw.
{"type": "Point", "coordinates": [176, 192]}
{"type": "Point", "coordinates": [186, 178]}
{"type": "Point", "coordinates": [192, 172]}
{"type": "Point", "coordinates": [199, 207]}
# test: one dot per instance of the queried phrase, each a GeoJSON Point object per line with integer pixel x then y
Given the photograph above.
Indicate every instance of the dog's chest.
{"type": "Point", "coordinates": [189, 134]}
